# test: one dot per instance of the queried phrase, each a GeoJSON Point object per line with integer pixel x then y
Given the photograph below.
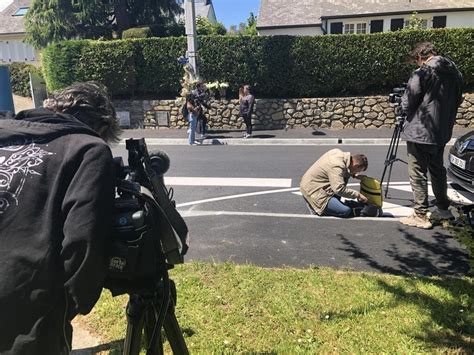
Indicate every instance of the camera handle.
{"type": "Point", "coordinates": [143, 317]}
{"type": "Point", "coordinates": [391, 156]}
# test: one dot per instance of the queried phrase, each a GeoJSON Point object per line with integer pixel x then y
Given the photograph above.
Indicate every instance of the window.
{"type": "Point", "coordinates": [361, 28]}
{"type": "Point", "coordinates": [21, 11]}
{"type": "Point", "coordinates": [376, 26]}
{"type": "Point", "coordinates": [396, 24]}
{"type": "Point", "coordinates": [349, 28]}
{"type": "Point", "coordinates": [336, 27]}
{"type": "Point", "coordinates": [355, 28]}
{"type": "Point", "coordinates": [439, 21]}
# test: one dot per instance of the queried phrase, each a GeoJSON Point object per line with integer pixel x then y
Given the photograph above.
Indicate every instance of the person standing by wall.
{"type": "Point", "coordinates": [191, 111]}
{"type": "Point", "coordinates": [201, 98]}
{"type": "Point", "coordinates": [430, 103]}
{"type": "Point", "coordinates": [247, 101]}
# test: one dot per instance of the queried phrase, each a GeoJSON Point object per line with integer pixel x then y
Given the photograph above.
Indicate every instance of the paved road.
{"type": "Point", "coordinates": [241, 204]}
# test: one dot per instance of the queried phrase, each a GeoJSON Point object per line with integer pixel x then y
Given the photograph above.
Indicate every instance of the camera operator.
{"type": "Point", "coordinates": [326, 180]}
{"type": "Point", "coordinates": [56, 205]}
{"type": "Point", "coordinates": [430, 103]}
{"type": "Point", "coordinates": [201, 97]}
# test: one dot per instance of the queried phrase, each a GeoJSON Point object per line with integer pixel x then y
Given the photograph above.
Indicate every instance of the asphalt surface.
{"type": "Point", "coordinates": [241, 204]}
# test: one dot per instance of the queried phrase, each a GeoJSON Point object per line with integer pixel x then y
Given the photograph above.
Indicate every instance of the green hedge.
{"type": "Point", "coordinates": [137, 32]}
{"type": "Point", "coordinates": [20, 78]}
{"type": "Point", "coordinates": [277, 66]}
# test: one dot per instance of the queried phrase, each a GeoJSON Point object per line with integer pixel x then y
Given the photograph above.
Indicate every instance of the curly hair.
{"type": "Point", "coordinates": [89, 102]}
{"type": "Point", "coordinates": [423, 50]}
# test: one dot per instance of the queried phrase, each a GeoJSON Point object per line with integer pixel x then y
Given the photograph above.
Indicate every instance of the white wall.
{"type": "Point", "coordinates": [453, 19]}
{"type": "Point", "coordinates": [460, 19]}
{"type": "Point", "coordinates": [297, 31]}
{"type": "Point", "coordinates": [12, 49]}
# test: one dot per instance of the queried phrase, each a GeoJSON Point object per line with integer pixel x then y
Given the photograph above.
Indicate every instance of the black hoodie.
{"type": "Point", "coordinates": [56, 200]}
{"type": "Point", "coordinates": [431, 101]}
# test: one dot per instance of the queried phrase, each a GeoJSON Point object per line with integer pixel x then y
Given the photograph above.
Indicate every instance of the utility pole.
{"type": "Point", "coordinates": [190, 18]}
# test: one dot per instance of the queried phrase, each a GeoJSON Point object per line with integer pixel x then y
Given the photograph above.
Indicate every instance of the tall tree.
{"type": "Point", "coordinates": [205, 27]}
{"type": "Point", "coordinates": [245, 29]}
{"type": "Point", "coordinates": [50, 21]}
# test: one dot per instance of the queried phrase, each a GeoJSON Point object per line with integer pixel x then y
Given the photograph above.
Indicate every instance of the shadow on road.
{"type": "Point", "coordinates": [433, 256]}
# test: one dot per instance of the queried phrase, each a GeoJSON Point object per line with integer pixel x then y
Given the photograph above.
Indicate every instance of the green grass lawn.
{"type": "Point", "coordinates": [228, 308]}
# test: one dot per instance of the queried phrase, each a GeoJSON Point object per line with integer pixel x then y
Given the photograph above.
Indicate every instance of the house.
{"type": "Point", "coordinates": [12, 33]}
{"type": "Point", "coordinates": [319, 17]}
{"type": "Point", "coordinates": [204, 9]}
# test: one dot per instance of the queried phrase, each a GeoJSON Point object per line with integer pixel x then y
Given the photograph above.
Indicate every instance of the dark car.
{"type": "Point", "coordinates": [461, 162]}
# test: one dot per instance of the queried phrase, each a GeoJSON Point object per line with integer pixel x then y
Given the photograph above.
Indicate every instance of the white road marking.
{"type": "Point", "coordinates": [278, 215]}
{"type": "Point", "coordinates": [392, 211]}
{"type": "Point", "coordinates": [234, 182]}
{"type": "Point", "coordinates": [234, 196]}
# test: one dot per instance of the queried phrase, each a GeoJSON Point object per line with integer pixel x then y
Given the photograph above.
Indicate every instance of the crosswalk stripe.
{"type": "Point", "coordinates": [234, 182]}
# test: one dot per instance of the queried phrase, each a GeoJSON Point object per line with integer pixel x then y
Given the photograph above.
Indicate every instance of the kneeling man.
{"type": "Point", "coordinates": [325, 182]}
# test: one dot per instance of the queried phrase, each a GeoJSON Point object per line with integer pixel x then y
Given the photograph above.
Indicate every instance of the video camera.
{"type": "Point", "coordinates": [395, 97]}
{"type": "Point", "coordinates": [149, 234]}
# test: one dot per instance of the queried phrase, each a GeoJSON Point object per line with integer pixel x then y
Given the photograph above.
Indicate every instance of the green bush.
{"type": "Point", "coordinates": [137, 32]}
{"type": "Point", "coordinates": [20, 78]}
{"type": "Point", "coordinates": [277, 66]}
{"type": "Point", "coordinates": [111, 63]}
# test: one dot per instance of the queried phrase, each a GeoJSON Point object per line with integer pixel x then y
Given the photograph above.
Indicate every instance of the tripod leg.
{"type": "Point", "coordinates": [391, 149]}
{"type": "Point", "coordinates": [135, 319]}
{"type": "Point", "coordinates": [174, 333]}
{"type": "Point", "coordinates": [150, 323]}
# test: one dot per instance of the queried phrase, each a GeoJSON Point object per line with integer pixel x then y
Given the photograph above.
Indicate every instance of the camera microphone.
{"type": "Point", "coordinates": [159, 162]}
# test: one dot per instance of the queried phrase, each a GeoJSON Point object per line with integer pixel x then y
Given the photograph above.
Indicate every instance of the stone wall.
{"type": "Point", "coordinates": [345, 112]}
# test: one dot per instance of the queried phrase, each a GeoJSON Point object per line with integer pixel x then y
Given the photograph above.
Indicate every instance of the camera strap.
{"type": "Point", "coordinates": [169, 208]}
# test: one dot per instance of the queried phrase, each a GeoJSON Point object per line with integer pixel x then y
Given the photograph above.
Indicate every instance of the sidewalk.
{"type": "Point", "coordinates": [296, 136]}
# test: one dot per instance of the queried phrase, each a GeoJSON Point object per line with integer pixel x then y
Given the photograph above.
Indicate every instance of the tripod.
{"type": "Point", "coordinates": [143, 317]}
{"type": "Point", "coordinates": [391, 156]}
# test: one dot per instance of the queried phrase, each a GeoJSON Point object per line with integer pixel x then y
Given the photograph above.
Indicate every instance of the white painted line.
{"type": "Point", "coordinates": [235, 196]}
{"type": "Point", "coordinates": [277, 141]}
{"type": "Point", "coordinates": [279, 215]}
{"type": "Point", "coordinates": [216, 181]}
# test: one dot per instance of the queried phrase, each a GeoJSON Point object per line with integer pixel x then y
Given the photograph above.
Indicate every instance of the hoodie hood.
{"type": "Point", "coordinates": [42, 124]}
{"type": "Point", "coordinates": [442, 65]}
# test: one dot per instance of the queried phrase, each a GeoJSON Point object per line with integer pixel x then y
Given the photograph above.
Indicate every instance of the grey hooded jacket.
{"type": "Point", "coordinates": [431, 101]}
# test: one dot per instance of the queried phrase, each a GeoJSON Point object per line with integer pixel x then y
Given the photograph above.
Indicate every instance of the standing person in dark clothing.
{"type": "Point", "coordinates": [201, 98]}
{"type": "Point", "coordinates": [56, 205]}
{"type": "Point", "coordinates": [430, 104]}
{"type": "Point", "coordinates": [247, 101]}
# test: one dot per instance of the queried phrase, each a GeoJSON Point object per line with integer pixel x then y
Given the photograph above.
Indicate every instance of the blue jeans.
{"type": "Point", "coordinates": [192, 127]}
{"type": "Point", "coordinates": [337, 209]}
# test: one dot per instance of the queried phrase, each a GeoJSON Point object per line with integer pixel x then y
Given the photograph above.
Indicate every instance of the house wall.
{"type": "Point", "coordinates": [460, 19]}
{"type": "Point", "coordinates": [453, 19]}
{"type": "Point", "coordinates": [297, 31]}
{"type": "Point", "coordinates": [13, 49]}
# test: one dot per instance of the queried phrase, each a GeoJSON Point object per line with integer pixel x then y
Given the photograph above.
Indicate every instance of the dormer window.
{"type": "Point", "coordinates": [21, 11]}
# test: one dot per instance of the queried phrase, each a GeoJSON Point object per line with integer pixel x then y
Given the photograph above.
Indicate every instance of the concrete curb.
{"type": "Point", "coordinates": [276, 141]}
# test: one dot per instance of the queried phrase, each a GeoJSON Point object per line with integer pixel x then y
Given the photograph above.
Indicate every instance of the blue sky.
{"type": "Point", "coordinates": [232, 12]}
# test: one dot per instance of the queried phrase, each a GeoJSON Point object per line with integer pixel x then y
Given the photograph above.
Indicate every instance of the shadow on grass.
{"type": "Point", "coordinates": [114, 347]}
{"type": "Point", "coordinates": [451, 324]}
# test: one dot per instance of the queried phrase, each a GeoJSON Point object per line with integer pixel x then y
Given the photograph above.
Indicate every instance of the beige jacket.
{"type": "Point", "coordinates": [327, 177]}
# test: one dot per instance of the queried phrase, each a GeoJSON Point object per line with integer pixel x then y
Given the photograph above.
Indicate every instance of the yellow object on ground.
{"type": "Point", "coordinates": [372, 189]}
